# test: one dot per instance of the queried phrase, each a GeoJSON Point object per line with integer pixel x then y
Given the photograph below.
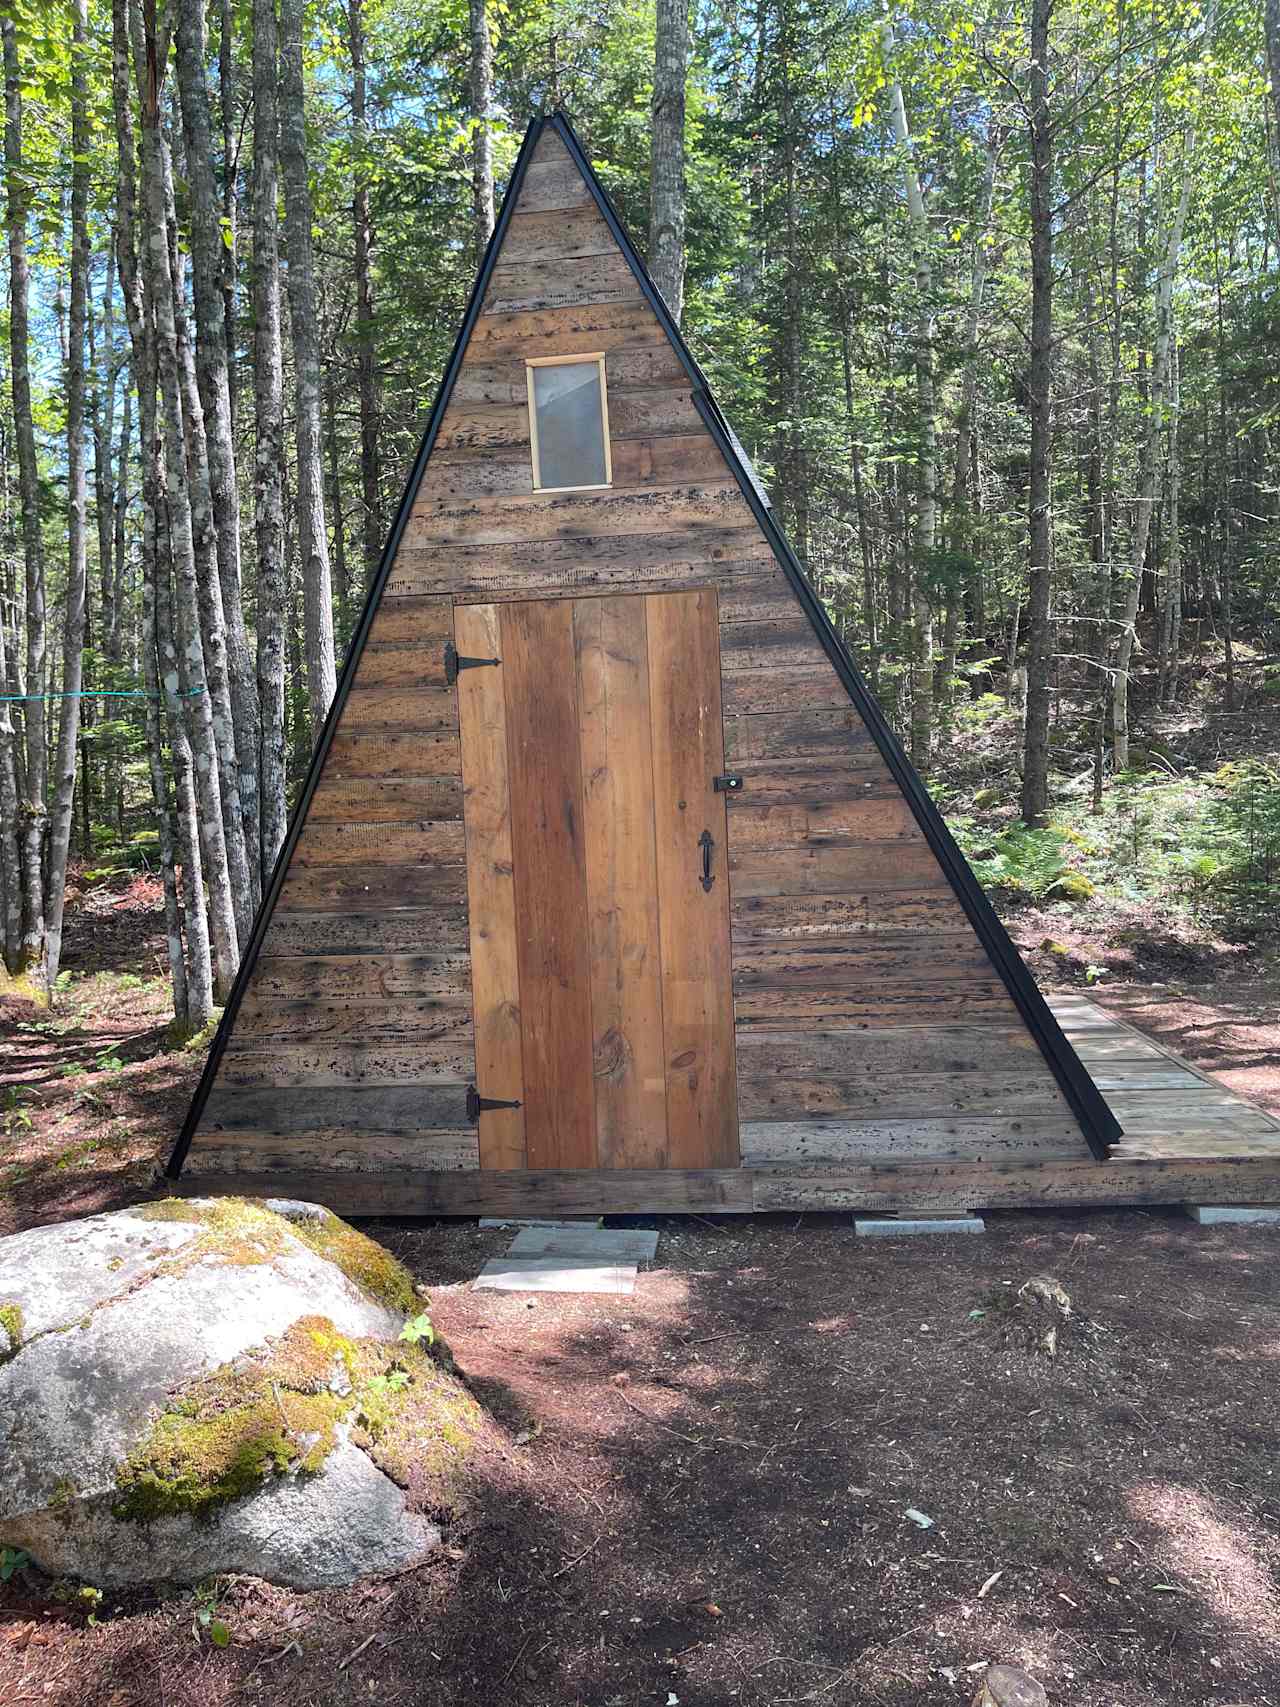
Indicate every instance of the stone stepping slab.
{"type": "Point", "coordinates": [514, 1273]}
{"type": "Point", "coordinates": [604, 1244]}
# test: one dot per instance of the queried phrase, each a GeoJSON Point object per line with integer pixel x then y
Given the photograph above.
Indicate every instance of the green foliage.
{"type": "Point", "coordinates": [12, 1560]}
{"type": "Point", "coordinates": [1022, 861]}
{"type": "Point", "coordinates": [419, 1329]}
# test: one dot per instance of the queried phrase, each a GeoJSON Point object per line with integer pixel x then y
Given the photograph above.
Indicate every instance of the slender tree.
{"type": "Point", "coordinates": [34, 816]}
{"type": "Point", "coordinates": [268, 424]}
{"type": "Point", "coordinates": [73, 632]}
{"type": "Point", "coordinates": [666, 153]}
{"type": "Point", "coordinates": [313, 542]}
{"type": "Point", "coordinates": [481, 127]}
{"type": "Point", "coordinates": [366, 351]}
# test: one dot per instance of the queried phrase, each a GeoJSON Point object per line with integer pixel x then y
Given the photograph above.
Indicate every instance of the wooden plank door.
{"type": "Point", "coordinates": [600, 956]}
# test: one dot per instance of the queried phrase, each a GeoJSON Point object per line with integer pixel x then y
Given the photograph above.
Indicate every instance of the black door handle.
{"type": "Point", "coordinates": [708, 848]}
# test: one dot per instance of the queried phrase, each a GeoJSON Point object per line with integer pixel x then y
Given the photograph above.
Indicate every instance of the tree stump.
{"type": "Point", "coordinates": [1009, 1686]}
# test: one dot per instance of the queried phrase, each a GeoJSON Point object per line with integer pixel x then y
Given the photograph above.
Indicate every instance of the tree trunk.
{"type": "Point", "coordinates": [666, 156]}
{"type": "Point", "coordinates": [482, 125]}
{"type": "Point", "coordinates": [35, 766]}
{"type": "Point", "coordinates": [268, 394]}
{"type": "Point", "coordinates": [313, 543]}
{"type": "Point", "coordinates": [10, 848]}
{"type": "Point", "coordinates": [927, 457]}
{"type": "Point", "coordinates": [214, 384]}
{"type": "Point", "coordinates": [1148, 493]}
{"type": "Point", "coordinates": [150, 55]}
{"type": "Point", "coordinates": [1271, 30]}
{"type": "Point", "coordinates": [362, 223]}
{"type": "Point", "coordinates": [1171, 604]}
{"type": "Point", "coordinates": [77, 532]}
{"type": "Point", "coordinates": [1035, 758]}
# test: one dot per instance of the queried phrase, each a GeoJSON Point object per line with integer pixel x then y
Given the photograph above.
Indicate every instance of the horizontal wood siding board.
{"type": "Point", "coordinates": [402, 1108]}
{"type": "Point", "coordinates": [902, 1004]}
{"type": "Point", "coordinates": [403, 931]}
{"type": "Point", "coordinates": [335, 1151]}
{"type": "Point", "coordinates": [353, 1064]}
{"type": "Point", "coordinates": [362, 975]}
{"type": "Point", "coordinates": [912, 1096]}
{"type": "Point", "coordinates": [385, 799]}
{"type": "Point", "coordinates": [983, 1137]}
{"type": "Point", "coordinates": [886, 1056]}
{"type": "Point", "coordinates": [428, 841]}
{"type": "Point", "coordinates": [872, 911]}
{"type": "Point", "coordinates": [578, 1191]}
{"type": "Point", "coordinates": [427, 753]}
{"type": "Point", "coordinates": [561, 515]}
{"type": "Point", "coordinates": [884, 1186]}
{"type": "Point", "coordinates": [402, 1020]}
{"type": "Point", "coordinates": [321, 889]}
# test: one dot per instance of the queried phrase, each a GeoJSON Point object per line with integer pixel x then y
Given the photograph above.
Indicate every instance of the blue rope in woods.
{"type": "Point", "coordinates": [101, 693]}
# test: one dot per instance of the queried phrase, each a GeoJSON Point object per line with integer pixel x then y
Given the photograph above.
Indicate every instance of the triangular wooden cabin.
{"type": "Point", "coordinates": [610, 888]}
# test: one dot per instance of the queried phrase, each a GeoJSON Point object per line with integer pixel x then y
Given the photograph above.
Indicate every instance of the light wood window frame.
{"type": "Point", "coordinates": [531, 362]}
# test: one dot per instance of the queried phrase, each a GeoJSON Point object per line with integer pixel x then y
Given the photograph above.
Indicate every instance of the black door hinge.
{"type": "Point", "coordinates": [453, 662]}
{"type": "Point", "coordinates": [731, 783]}
{"type": "Point", "coordinates": [476, 1104]}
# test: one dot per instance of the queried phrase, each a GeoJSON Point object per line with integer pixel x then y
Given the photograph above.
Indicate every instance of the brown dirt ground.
{"type": "Point", "coordinates": [701, 1492]}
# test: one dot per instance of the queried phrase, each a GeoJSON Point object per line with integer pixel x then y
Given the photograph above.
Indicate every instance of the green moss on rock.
{"type": "Point", "coordinates": [228, 1433]}
{"type": "Point", "coordinates": [1074, 886]}
{"type": "Point", "coordinates": [244, 1230]}
{"type": "Point", "coordinates": [11, 1325]}
{"type": "Point", "coordinates": [419, 1424]}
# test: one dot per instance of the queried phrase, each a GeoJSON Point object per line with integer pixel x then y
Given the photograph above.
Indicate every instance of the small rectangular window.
{"type": "Point", "coordinates": [568, 423]}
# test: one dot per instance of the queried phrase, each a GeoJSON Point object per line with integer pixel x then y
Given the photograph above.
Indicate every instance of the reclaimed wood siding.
{"type": "Point", "coordinates": [870, 1023]}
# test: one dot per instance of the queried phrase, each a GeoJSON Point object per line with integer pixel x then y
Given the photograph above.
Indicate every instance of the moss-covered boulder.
{"type": "Point", "coordinates": [201, 1386]}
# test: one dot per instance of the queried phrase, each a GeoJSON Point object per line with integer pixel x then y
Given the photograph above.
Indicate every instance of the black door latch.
{"type": "Point", "coordinates": [454, 661]}
{"type": "Point", "coordinates": [476, 1104]}
{"type": "Point", "coordinates": [730, 783]}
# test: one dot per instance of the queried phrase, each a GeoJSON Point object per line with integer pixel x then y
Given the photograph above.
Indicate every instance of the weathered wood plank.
{"type": "Point", "coordinates": [545, 772]}
{"type": "Point", "coordinates": [769, 738]}
{"type": "Point", "coordinates": [913, 1096]}
{"type": "Point", "coordinates": [684, 694]}
{"type": "Point", "coordinates": [491, 888]}
{"type": "Point", "coordinates": [426, 842]}
{"type": "Point", "coordinates": [551, 515]}
{"type": "Point", "coordinates": [534, 235]}
{"type": "Point", "coordinates": [523, 287]}
{"type": "Point", "coordinates": [409, 665]}
{"type": "Point", "coordinates": [795, 689]}
{"type": "Point", "coordinates": [405, 931]}
{"type": "Point", "coordinates": [384, 799]}
{"type": "Point", "coordinates": [406, 709]}
{"type": "Point", "coordinates": [983, 1137]}
{"type": "Point", "coordinates": [611, 646]}
{"type": "Point", "coordinates": [628, 368]}
{"type": "Point", "coordinates": [915, 963]}
{"type": "Point", "coordinates": [445, 1061]}
{"type": "Point", "coordinates": [268, 1019]}
{"type": "Point", "coordinates": [577, 329]}
{"type": "Point", "coordinates": [422, 622]}
{"type": "Point", "coordinates": [626, 1191]}
{"type": "Point", "coordinates": [341, 1152]}
{"type": "Point", "coordinates": [324, 888]}
{"type": "Point", "coordinates": [578, 563]}
{"type": "Point", "coordinates": [402, 1108]}
{"type": "Point", "coordinates": [362, 976]}
{"type": "Point", "coordinates": [782, 644]}
{"type": "Point", "coordinates": [632, 414]}
{"type": "Point", "coordinates": [815, 868]}
{"type": "Point", "coordinates": [666, 460]}
{"type": "Point", "coordinates": [883, 1057]}
{"type": "Point", "coordinates": [874, 910]}
{"type": "Point", "coordinates": [874, 817]}
{"type": "Point", "coordinates": [429, 753]}
{"type": "Point", "coordinates": [894, 1004]}
{"type": "Point", "coordinates": [553, 185]}
{"type": "Point", "coordinates": [1015, 1185]}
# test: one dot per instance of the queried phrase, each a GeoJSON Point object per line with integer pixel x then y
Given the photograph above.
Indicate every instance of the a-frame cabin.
{"type": "Point", "coordinates": [610, 888]}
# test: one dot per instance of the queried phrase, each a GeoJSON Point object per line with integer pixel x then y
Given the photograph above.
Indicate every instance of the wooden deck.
{"type": "Point", "coordinates": [1170, 1110]}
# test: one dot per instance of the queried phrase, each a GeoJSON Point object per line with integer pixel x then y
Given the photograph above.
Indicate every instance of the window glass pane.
{"type": "Point", "coordinates": [570, 424]}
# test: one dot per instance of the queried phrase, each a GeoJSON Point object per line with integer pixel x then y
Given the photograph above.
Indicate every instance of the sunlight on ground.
{"type": "Point", "coordinates": [1212, 1554]}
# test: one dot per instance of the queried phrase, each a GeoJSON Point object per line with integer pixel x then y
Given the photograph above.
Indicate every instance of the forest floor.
{"type": "Point", "coordinates": [701, 1493]}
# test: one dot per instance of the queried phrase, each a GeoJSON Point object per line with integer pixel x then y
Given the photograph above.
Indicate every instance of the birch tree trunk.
{"type": "Point", "coordinates": [10, 852]}
{"type": "Point", "coordinates": [666, 156]}
{"type": "Point", "coordinates": [366, 352]}
{"type": "Point", "coordinates": [77, 489]}
{"type": "Point", "coordinates": [1171, 605]}
{"type": "Point", "coordinates": [313, 542]}
{"type": "Point", "coordinates": [481, 120]}
{"type": "Point", "coordinates": [926, 527]}
{"type": "Point", "coordinates": [1271, 31]}
{"type": "Point", "coordinates": [268, 424]}
{"type": "Point", "coordinates": [212, 620]}
{"type": "Point", "coordinates": [1148, 493]}
{"type": "Point", "coordinates": [35, 766]}
{"type": "Point", "coordinates": [214, 385]}
{"type": "Point", "coordinates": [150, 56]}
{"type": "Point", "coordinates": [1035, 752]}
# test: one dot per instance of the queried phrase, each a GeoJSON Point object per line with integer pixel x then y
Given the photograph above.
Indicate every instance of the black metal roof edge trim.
{"type": "Point", "coordinates": [356, 647]}
{"type": "Point", "coordinates": [1087, 1103]}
